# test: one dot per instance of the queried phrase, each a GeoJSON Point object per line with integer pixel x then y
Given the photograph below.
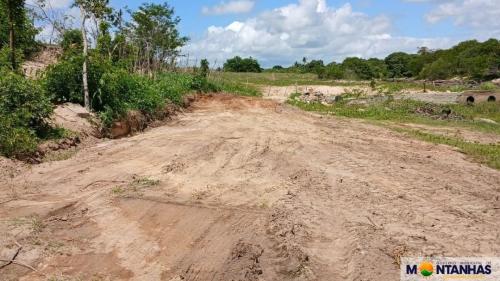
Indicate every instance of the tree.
{"type": "Point", "coordinates": [314, 66]}
{"type": "Point", "coordinates": [204, 68]}
{"type": "Point", "coordinates": [333, 71]}
{"type": "Point", "coordinates": [15, 12]}
{"type": "Point", "coordinates": [56, 19]}
{"type": "Point", "coordinates": [154, 30]}
{"type": "Point", "coordinates": [398, 65]}
{"type": "Point", "coordinates": [72, 41]}
{"type": "Point", "coordinates": [238, 64]}
{"type": "Point", "coordinates": [359, 68]}
{"type": "Point", "coordinates": [96, 9]}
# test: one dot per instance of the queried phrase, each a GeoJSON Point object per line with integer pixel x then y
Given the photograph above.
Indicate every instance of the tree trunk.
{"type": "Point", "coordinates": [12, 45]}
{"type": "Point", "coordinates": [86, 97]}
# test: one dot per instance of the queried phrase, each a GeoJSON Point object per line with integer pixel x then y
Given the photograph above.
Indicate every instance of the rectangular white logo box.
{"type": "Point", "coordinates": [450, 269]}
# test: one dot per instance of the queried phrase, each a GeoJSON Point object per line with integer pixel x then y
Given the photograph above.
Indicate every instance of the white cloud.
{"type": "Point", "coordinates": [309, 28]}
{"type": "Point", "coordinates": [231, 7]}
{"type": "Point", "coordinates": [481, 16]}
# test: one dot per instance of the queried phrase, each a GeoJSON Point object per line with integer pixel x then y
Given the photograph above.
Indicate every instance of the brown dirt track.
{"type": "Point", "coordinates": [247, 189]}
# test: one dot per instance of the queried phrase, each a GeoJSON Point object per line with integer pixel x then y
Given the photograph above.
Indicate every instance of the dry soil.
{"type": "Point", "coordinates": [246, 189]}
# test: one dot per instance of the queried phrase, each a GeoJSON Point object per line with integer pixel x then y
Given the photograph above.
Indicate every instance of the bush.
{"type": "Point", "coordinates": [238, 64]}
{"type": "Point", "coordinates": [23, 111]}
{"type": "Point", "coordinates": [120, 91]}
{"type": "Point", "coordinates": [114, 91]}
{"type": "Point", "coordinates": [14, 140]}
{"type": "Point", "coordinates": [64, 79]}
{"type": "Point", "coordinates": [488, 86]}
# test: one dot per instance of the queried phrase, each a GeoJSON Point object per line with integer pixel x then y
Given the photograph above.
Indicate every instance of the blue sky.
{"type": "Point", "coordinates": [283, 31]}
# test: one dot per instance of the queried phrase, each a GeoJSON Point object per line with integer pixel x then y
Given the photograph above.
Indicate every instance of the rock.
{"type": "Point", "coordinates": [496, 82]}
{"type": "Point", "coordinates": [120, 129]}
{"type": "Point", "coordinates": [133, 122]}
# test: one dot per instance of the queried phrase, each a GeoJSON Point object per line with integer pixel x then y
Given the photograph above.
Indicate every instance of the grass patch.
{"type": "Point", "coordinates": [410, 111]}
{"type": "Point", "coordinates": [137, 186]}
{"type": "Point", "coordinates": [488, 154]}
{"type": "Point", "coordinates": [60, 155]}
{"type": "Point", "coordinates": [222, 84]}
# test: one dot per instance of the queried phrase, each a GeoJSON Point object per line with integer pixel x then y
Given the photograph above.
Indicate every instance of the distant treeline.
{"type": "Point", "coordinates": [471, 59]}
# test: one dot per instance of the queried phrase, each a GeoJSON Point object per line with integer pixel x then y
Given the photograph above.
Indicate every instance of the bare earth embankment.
{"type": "Point", "coordinates": [247, 189]}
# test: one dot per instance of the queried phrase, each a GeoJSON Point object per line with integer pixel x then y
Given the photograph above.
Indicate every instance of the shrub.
{"type": "Point", "coordinates": [23, 110]}
{"type": "Point", "coordinates": [120, 91]}
{"type": "Point", "coordinates": [64, 79]}
{"type": "Point", "coordinates": [488, 86]}
{"type": "Point", "coordinates": [14, 140]}
{"type": "Point", "coordinates": [238, 64]}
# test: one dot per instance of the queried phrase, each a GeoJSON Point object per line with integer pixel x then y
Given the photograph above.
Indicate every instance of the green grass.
{"type": "Point", "coordinates": [404, 111]}
{"type": "Point", "coordinates": [234, 87]}
{"type": "Point", "coordinates": [488, 154]}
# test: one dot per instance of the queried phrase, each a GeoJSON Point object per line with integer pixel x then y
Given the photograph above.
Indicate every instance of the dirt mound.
{"type": "Point", "coordinates": [48, 55]}
{"type": "Point", "coordinates": [77, 119]}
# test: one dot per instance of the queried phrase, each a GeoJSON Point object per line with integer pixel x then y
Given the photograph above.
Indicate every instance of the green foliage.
{"type": "Point", "coordinates": [204, 68]}
{"type": "Point", "coordinates": [398, 65]}
{"type": "Point", "coordinates": [333, 71]}
{"type": "Point", "coordinates": [5, 58]}
{"type": "Point", "coordinates": [488, 86]}
{"type": "Point", "coordinates": [471, 59]}
{"type": "Point", "coordinates": [24, 29]}
{"type": "Point", "coordinates": [72, 41]}
{"type": "Point", "coordinates": [64, 79]}
{"type": "Point", "coordinates": [409, 111]}
{"type": "Point", "coordinates": [120, 91]}
{"type": "Point", "coordinates": [234, 87]}
{"type": "Point", "coordinates": [155, 33]}
{"type": "Point", "coordinates": [238, 64]}
{"type": "Point", "coordinates": [23, 110]}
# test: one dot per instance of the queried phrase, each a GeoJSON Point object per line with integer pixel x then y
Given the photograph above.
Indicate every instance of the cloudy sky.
{"type": "Point", "coordinates": [283, 31]}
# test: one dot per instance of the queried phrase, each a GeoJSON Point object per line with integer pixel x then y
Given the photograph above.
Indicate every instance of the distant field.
{"type": "Point", "coordinates": [278, 79]}
{"type": "Point", "coordinates": [289, 79]}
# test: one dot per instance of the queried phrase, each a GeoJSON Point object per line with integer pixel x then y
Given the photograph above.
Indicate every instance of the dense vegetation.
{"type": "Point", "coordinates": [122, 66]}
{"type": "Point", "coordinates": [238, 64]}
{"type": "Point", "coordinates": [470, 59]}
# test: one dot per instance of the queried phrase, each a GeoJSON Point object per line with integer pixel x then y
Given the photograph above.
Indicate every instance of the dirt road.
{"type": "Point", "coordinates": [246, 189]}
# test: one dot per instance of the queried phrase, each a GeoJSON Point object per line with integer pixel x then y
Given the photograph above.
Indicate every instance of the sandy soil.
{"type": "Point", "coordinates": [281, 94]}
{"type": "Point", "coordinates": [247, 189]}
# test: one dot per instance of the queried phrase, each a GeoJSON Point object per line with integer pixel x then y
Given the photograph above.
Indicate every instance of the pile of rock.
{"type": "Point", "coordinates": [312, 96]}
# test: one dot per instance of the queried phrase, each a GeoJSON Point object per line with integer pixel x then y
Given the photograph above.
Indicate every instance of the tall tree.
{"type": "Point", "coordinates": [95, 9]}
{"type": "Point", "coordinates": [15, 16]}
{"type": "Point", "coordinates": [154, 30]}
